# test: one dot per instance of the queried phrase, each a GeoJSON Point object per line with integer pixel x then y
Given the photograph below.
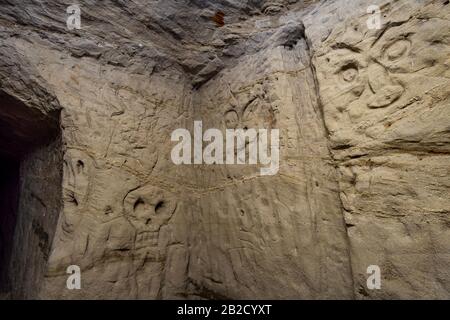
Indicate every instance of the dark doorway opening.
{"type": "Point", "coordinates": [30, 168]}
{"type": "Point", "coordinates": [9, 201]}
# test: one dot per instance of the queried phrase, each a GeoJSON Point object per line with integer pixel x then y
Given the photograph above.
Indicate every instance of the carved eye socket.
{"type": "Point", "coordinates": [160, 207]}
{"type": "Point", "coordinates": [349, 72]}
{"type": "Point", "coordinates": [397, 50]}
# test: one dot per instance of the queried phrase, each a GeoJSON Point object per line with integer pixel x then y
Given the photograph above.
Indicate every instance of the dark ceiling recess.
{"type": "Point", "coordinates": [22, 130]}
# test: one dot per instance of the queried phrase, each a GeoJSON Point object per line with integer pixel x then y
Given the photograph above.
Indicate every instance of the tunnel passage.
{"type": "Point", "coordinates": [30, 195]}
{"type": "Point", "coordinates": [9, 191]}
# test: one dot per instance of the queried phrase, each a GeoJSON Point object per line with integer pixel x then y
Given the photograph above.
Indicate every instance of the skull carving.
{"type": "Point", "coordinates": [148, 209]}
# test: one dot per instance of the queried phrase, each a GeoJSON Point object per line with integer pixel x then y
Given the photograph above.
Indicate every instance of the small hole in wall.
{"type": "Point", "coordinates": [108, 210]}
{"type": "Point", "coordinates": [446, 3]}
{"type": "Point", "coordinates": [437, 42]}
{"type": "Point", "coordinates": [265, 202]}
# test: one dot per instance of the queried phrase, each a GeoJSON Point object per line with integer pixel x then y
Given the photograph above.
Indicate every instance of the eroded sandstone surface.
{"type": "Point", "coordinates": [364, 122]}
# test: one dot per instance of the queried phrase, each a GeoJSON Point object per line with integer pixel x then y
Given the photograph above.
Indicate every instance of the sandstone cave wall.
{"type": "Point", "coordinates": [39, 209]}
{"type": "Point", "coordinates": [31, 141]}
{"type": "Point", "coordinates": [283, 231]}
{"type": "Point", "coordinates": [385, 98]}
{"type": "Point", "coordinates": [363, 119]}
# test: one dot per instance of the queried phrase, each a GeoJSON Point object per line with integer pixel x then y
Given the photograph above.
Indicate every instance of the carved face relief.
{"type": "Point", "coordinates": [362, 79]}
{"type": "Point", "coordinates": [409, 49]}
{"type": "Point", "coordinates": [252, 111]}
{"type": "Point", "coordinates": [148, 209]}
{"type": "Point", "coordinates": [386, 72]}
{"type": "Point", "coordinates": [379, 67]}
{"type": "Point", "coordinates": [78, 168]}
{"type": "Point", "coordinates": [348, 77]}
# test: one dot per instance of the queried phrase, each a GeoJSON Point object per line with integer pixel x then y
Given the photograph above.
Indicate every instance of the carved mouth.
{"type": "Point", "coordinates": [386, 96]}
{"type": "Point", "coordinates": [146, 239]}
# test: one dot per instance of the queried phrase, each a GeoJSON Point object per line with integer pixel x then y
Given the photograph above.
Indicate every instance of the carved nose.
{"type": "Point", "coordinates": [142, 211]}
{"type": "Point", "coordinates": [385, 90]}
